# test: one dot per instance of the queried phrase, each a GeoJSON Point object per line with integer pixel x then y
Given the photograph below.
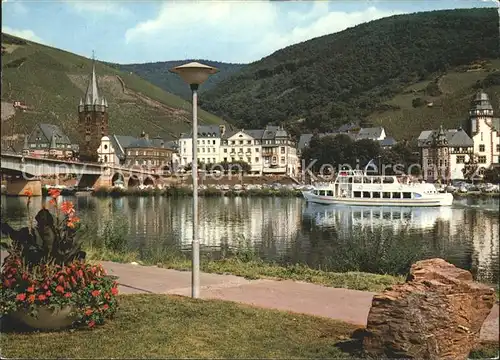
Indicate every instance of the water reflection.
{"type": "Point", "coordinates": [340, 238]}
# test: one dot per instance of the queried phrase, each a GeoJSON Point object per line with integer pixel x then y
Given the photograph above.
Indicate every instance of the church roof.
{"type": "Point", "coordinates": [92, 96]}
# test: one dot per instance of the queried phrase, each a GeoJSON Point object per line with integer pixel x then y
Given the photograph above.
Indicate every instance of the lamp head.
{"type": "Point", "coordinates": [194, 73]}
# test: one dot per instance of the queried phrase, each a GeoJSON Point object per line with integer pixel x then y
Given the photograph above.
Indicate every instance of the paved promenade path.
{"type": "Point", "coordinates": [350, 306]}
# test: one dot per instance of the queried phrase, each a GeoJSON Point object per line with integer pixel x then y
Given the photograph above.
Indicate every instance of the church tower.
{"type": "Point", "coordinates": [92, 119]}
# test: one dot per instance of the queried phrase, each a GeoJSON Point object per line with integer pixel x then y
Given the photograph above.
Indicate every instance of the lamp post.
{"type": "Point", "coordinates": [195, 74]}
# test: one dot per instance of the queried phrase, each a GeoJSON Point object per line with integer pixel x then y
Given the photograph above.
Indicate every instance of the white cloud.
{"type": "Point", "coordinates": [239, 31]}
{"type": "Point", "coordinates": [14, 7]}
{"type": "Point", "coordinates": [24, 33]}
{"type": "Point", "coordinates": [93, 7]}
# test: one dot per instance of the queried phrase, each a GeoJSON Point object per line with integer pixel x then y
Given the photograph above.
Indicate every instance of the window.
{"type": "Point", "coordinates": [481, 159]}
{"type": "Point", "coordinates": [249, 142]}
{"type": "Point", "coordinates": [406, 195]}
{"type": "Point", "coordinates": [498, 147]}
{"type": "Point", "coordinates": [282, 159]}
{"type": "Point", "coordinates": [396, 195]}
{"type": "Point", "coordinates": [256, 149]}
{"type": "Point", "coordinates": [282, 149]}
{"type": "Point", "coordinates": [481, 148]}
{"type": "Point", "coordinates": [329, 193]}
{"type": "Point", "coordinates": [366, 194]}
{"type": "Point", "coordinates": [440, 162]}
{"type": "Point", "coordinates": [256, 159]}
{"type": "Point", "coordinates": [460, 159]}
{"type": "Point", "coordinates": [357, 194]}
{"type": "Point", "coordinates": [213, 142]}
{"type": "Point", "coordinates": [387, 195]}
{"type": "Point", "coordinates": [225, 150]}
{"type": "Point", "coordinates": [376, 195]}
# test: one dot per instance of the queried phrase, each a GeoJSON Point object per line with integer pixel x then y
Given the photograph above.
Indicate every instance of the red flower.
{"type": "Point", "coordinates": [41, 297]}
{"type": "Point", "coordinates": [31, 289]}
{"type": "Point", "coordinates": [68, 271]}
{"type": "Point", "coordinates": [21, 297]}
{"type": "Point", "coordinates": [61, 279]}
{"type": "Point", "coordinates": [67, 207]}
{"type": "Point", "coordinates": [48, 293]}
{"type": "Point", "coordinates": [91, 324]}
{"type": "Point", "coordinates": [54, 193]}
{"type": "Point", "coordinates": [80, 273]}
{"type": "Point", "coordinates": [88, 312]}
{"type": "Point", "coordinates": [67, 295]}
{"type": "Point", "coordinates": [105, 307]}
{"type": "Point", "coordinates": [95, 293]}
{"type": "Point", "coordinates": [28, 193]}
{"type": "Point", "coordinates": [31, 298]}
{"type": "Point", "coordinates": [59, 289]}
{"type": "Point", "coordinates": [114, 291]}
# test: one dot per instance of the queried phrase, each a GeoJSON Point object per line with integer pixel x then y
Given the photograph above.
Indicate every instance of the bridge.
{"type": "Point", "coordinates": [25, 173]}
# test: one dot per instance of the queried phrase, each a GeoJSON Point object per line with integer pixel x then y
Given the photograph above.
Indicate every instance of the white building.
{"type": "Point", "coordinates": [268, 151]}
{"type": "Point", "coordinates": [445, 153]}
{"type": "Point", "coordinates": [485, 131]}
{"type": "Point", "coordinates": [208, 145]}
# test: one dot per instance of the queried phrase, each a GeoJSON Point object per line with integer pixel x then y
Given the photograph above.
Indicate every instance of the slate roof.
{"type": "Point", "coordinates": [120, 143]}
{"type": "Point", "coordinates": [204, 131]}
{"type": "Point", "coordinates": [269, 133]}
{"type": "Point", "coordinates": [50, 130]}
{"type": "Point", "coordinates": [388, 141]}
{"type": "Point", "coordinates": [454, 137]}
{"type": "Point", "coordinates": [370, 133]}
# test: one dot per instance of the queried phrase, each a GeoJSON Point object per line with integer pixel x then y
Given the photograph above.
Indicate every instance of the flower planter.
{"type": "Point", "coordinates": [46, 319]}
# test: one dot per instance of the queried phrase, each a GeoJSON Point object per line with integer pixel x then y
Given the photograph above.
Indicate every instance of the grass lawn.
{"type": "Point", "coordinates": [160, 326]}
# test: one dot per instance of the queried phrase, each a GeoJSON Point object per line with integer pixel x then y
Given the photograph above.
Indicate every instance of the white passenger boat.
{"type": "Point", "coordinates": [355, 187]}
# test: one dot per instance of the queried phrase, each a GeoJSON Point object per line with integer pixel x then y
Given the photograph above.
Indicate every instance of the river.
{"type": "Point", "coordinates": [289, 231]}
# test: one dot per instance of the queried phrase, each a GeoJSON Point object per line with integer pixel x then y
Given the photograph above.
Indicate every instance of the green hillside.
{"type": "Point", "coordinates": [365, 73]}
{"type": "Point", "coordinates": [51, 82]}
{"type": "Point", "coordinates": [157, 73]}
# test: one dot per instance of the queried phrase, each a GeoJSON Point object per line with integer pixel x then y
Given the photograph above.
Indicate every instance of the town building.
{"type": "Point", "coordinates": [268, 151]}
{"type": "Point", "coordinates": [461, 154]}
{"type": "Point", "coordinates": [129, 151]}
{"type": "Point", "coordinates": [444, 154]}
{"type": "Point", "coordinates": [484, 131]}
{"type": "Point", "coordinates": [208, 145]}
{"type": "Point", "coordinates": [92, 120]}
{"type": "Point", "coordinates": [48, 141]}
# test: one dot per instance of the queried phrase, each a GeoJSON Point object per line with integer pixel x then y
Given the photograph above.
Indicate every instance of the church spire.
{"type": "Point", "coordinates": [92, 94]}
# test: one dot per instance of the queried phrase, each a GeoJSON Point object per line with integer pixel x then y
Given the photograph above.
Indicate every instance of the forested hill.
{"type": "Point", "coordinates": [158, 73]}
{"type": "Point", "coordinates": [348, 76]}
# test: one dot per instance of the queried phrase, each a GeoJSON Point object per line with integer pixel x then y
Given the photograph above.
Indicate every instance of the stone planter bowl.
{"type": "Point", "coordinates": [46, 319]}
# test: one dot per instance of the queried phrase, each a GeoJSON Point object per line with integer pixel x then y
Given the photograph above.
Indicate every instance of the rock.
{"type": "Point", "coordinates": [436, 314]}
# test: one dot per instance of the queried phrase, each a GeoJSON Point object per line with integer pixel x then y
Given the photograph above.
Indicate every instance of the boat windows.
{"type": "Point", "coordinates": [376, 215]}
{"type": "Point", "coordinates": [376, 195]}
{"type": "Point", "coordinates": [315, 192]}
{"type": "Point", "coordinates": [396, 195]}
{"type": "Point", "coordinates": [388, 180]}
{"type": "Point", "coordinates": [357, 180]}
{"type": "Point", "coordinates": [367, 180]}
{"type": "Point", "coordinates": [357, 194]}
{"type": "Point", "coordinates": [386, 216]}
{"type": "Point", "coordinates": [376, 180]}
{"type": "Point", "coordinates": [396, 216]}
{"type": "Point", "coordinates": [366, 194]}
{"type": "Point", "coordinates": [407, 216]}
{"type": "Point", "coordinates": [366, 214]}
{"type": "Point", "coordinates": [322, 193]}
{"type": "Point", "coordinates": [406, 195]}
{"type": "Point", "coordinates": [387, 195]}
{"type": "Point", "coordinates": [329, 193]}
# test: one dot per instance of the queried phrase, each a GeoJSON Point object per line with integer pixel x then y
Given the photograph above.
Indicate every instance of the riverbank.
{"type": "Point", "coordinates": [476, 195]}
{"type": "Point", "coordinates": [206, 192]}
{"type": "Point", "coordinates": [245, 265]}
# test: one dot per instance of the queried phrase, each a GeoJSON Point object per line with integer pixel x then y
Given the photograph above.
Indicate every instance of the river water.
{"type": "Point", "coordinates": [289, 231]}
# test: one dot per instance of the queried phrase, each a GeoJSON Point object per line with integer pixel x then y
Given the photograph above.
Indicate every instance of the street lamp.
{"type": "Point", "coordinates": [195, 74]}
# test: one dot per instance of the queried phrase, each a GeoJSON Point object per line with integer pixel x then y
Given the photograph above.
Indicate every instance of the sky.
{"type": "Point", "coordinates": [230, 31]}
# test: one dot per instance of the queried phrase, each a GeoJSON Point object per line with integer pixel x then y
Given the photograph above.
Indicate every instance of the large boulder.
{"type": "Point", "coordinates": [436, 314]}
